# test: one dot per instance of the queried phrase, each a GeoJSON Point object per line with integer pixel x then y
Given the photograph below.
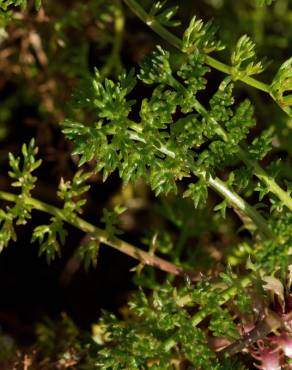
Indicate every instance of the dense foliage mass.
{"type": "Point", "coordinates": [202, 146]}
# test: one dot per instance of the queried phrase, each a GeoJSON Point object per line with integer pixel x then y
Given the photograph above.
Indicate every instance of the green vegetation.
{"type": "Point", "coordinates": [200, 135]}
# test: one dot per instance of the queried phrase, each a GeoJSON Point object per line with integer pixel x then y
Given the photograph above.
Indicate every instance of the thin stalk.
{"type": "Point", "coordinates": [113, 61]}
{"type": "Point", "coordinates": [177, 43]}
{"type": "Point", "coordinates": [146, 258]}
{"type": "Point", "coordinates": [224, 298]}
{"type": "Point", "coordinates": [197, 318]}
{"type": "Point", "coordinates": [153, 24]}
{"type": "Point", "coordinates": [287, 101]}
{"type": "Point", "coordinates": [222, 67]}
{"type": "Point", "coordinates": [258, 171]}
{"type": "Point", "coordinates": [222, 189]}
{"type": "Point", "coordinates": [212, 62]}
{"type": "Point", "coordinates": [236, 201]}
{"type": "Point", "coordinates": [261, 174]}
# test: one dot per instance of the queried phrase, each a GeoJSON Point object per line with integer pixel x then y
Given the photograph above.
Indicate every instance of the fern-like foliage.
{"type": "Point", "coordinates": [88, 251]}
{"type": "Point", "coordinates": [160, 148]}
{"type": "Point", "coordinates": [200, 36]}
{"type": "Point", "coordinates": [164, 15]}
{"type": "Point", "coordinates": [8, 4]}
{"type": "Point", "coordinates": [282, 85]}
{"type": "Point", "coordinates": [161, 333]}
{"type": "Point", "coordinates": [164, 147]}
{"type": "Point", "coordinates": [53, 235]}
{"type": "Point", "coordinates": [21, 173]}
{"type": "Point", "coordinates": [243, 59]}
{"type": "Point", "coordinates": [72, 192]}
{"type": "Point", "coordinates": [164, 138]}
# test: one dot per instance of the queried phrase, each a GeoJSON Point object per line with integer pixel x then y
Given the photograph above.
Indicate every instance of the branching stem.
{"type": "Point", "coordinates": [258, 171]}
{"type": "Point", "coordinates": [198, 317]}
{"type": "Point", "coordinates": [153, 24]}
{"type": "Point", "coordinates": [144, 257]}
{"type": "Point", "coordinates": [222, 189]}
{"type": "Point", "coordinates": [236, 201]}
{"type": "Point", "coordinates": [177, 43]}
{"type": "Point", "coordinates": [224, 297]}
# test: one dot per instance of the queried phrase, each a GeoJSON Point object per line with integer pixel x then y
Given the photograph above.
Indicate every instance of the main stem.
{"type": "Point", "coordinates": [258, 171]}
{"type": "Point", "coordinates": [220, 188]}
{"type": "Point", "coordinates": [236, 201]}
{"type": "Point", "coordinates": [212, 62]}
{"type": "Point", "coordinates": [146, 258]}
{"type": "Point", "coordinates": [177, 43]}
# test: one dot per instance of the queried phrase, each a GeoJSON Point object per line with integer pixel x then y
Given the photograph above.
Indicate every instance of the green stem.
{"type": "Point", "coordinates": [176, 42]}
{"type": "Point", "coordinates": [222, 189]}
{"type": "Point", "coordinates": [214, 63]}
{"type": "Point", "coordinates": [197, 318]}
{"type": "Point", "coordinates": [228, 70]}
{"type": "Point", "coordinates": [259, 172]}
{"type": "Point", "coordinates": [113, 62]}
{"type": "Point", "coordinates": [224, 297]}
{"type": "Point", "coordinates": [153, 24]}
{"type": "Point", "coordinates": [236, 201]}
{"type": "Point", "coordinates": [259, 16]}
{"type": "Point", "coordinates": [146, 258]}
{"type": "Point", "coordinates": [287, 101]}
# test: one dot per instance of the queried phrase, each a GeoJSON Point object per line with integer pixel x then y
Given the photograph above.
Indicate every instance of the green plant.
{"type": "Point", "coordinates": [185, 151]}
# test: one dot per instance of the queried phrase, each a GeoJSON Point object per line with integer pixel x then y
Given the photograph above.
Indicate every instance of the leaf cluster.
{"type": "Point", "coordinates": [176, 145]}
{"type": "Point", "coordinates": [201, 36]}
{"type": "Point", "coordinates": [21, 173]}
{"type": "Point", "coordinates": [243, 59]}
{"type": "Point", "coordinates": [160, 333]}
{"type": "Point", "coordinates": [164, 15]}
{"type": "Point", "coordinates": [160, 147]}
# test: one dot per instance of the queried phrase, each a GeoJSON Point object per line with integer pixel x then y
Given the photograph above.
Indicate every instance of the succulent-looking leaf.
{"type": "Point", "coordinates": [50, 237]}
{"type": "Point", "coordinates": [88, 251]}
{"type": "Point", "coordinates": [197, 192]}
{"type": "Point", "coordinates": [200, 36]}
{"type": "Point", "coordinates": [281, 86]}
{"type": "Point", "coordinates": [156, 67]}
{"type": "Point", "coordinates": [112, 220]}
{"type": "Point", "coordinates": [243, 59]}
{"type": "Point", "coordinates": [164, 16]}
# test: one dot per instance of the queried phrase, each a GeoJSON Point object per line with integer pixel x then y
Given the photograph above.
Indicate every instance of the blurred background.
{"type": "Point", "coordinates": [44, 56]}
